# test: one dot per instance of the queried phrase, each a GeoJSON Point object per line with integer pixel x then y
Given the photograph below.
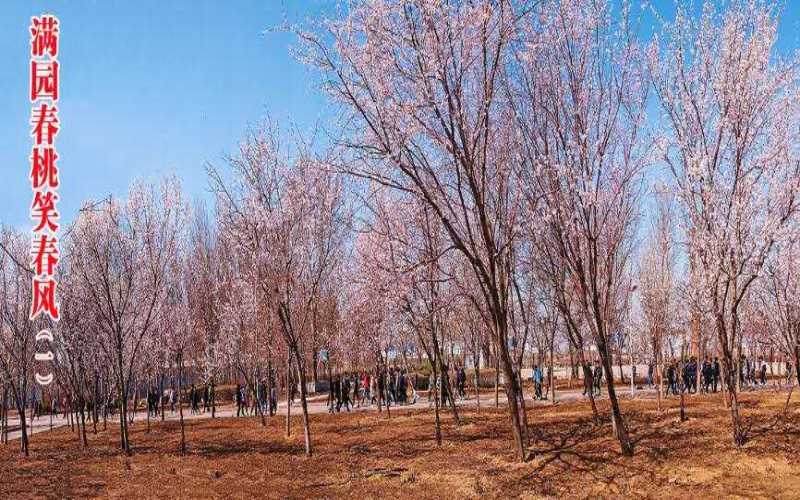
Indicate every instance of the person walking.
{"type": "Point", "coordinates": [192, 393]}
{"type": "Point", "coordinates": [206, 397]}
{"type": "Point", "coordinates": [331, 397]}
{"type": "Point", "coordinates": [598, 377]}
{"type": "Point", "coordinates": [672, 377]}
{"type": "Point", "coordinates": [588, 379]}
{"type": "Point", "coordinates": [706, 371]}
{"type": "Point", "coordinates": [381, 382]}
{"type": "Point", "coordinates": [431, 392]}
{"type": "Point", "coordinates": [537, 382]}
{"type": "Point", "coordinates": [414, 395]}
{"type": "Point", "coordinates": [346, 393]}
{"type": "Point", "coordinates": [715, 373]}
{"type": "Point", "coordinates": [366, 381]}
{"type": "Point", "coordinates": [337, 393]}
{"type": "Point", "coordinates": [239, 400]}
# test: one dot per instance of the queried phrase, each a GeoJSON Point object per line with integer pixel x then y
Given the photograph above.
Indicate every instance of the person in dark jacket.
{"type": "Point", "coordinates": [672, 378]}
{"type": "Point", "coordinates": [715, 373]}
{"type": "Point", "coordinates": [598, 376]}
{"type": "Point", "coordinates": [346, 393]}
{"type": "Point", "coordinates": [239, 411]}
{"type": "Point", "coordinates": [337, 392]}
{"type": "Point", "coordinates": [588, 379]}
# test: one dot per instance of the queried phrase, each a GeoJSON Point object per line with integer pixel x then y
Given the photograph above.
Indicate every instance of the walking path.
{"type": "Point", "coordinates": [318, 404]}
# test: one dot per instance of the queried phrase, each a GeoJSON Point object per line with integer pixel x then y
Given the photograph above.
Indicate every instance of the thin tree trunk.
{"type": "Point", "coordinates": [731, 379]}
{"type": "Point", "coordinates": [386, 386]}
{"type": "Point", "coordinates": [303, 403]}
{"type": "Point", "coordinates": [180, 401]}
{"type": "Point", "coordinates": [213, 394]}
{"type": "Point", "coordinates": [552, 370]}
{"type": "Point", "coordinates": [510, 387]}
{"type": "Point", "coordinates": [147, 431]}
{"type": "Point", "coordinates": [616, 416]}
{"type": "Point", "coordinates": [96, 398]}
{"type": "Point", "coordinates": [477, 383]}
{"type": "Point", "coordinates": [3, 421]}
{"type": "Point", "coordinates": [24, 445]}
{"type": "Point", "coordinates": [437, 419]}
{"type": "Point", "coordinates": [523, 407]}
{"type": "Point", "coordinates": [82, 423]}
{"type": "Point", "coordinates": [683, 389]}
{"type": "Point", "coordinates": [497, 381]}
{"type": "Point", "coordinates": [161, 401]}
{"type": "Point", "coordinates": [288, 393]}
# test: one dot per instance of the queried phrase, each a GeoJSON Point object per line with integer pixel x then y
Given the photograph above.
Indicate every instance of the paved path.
{"type": "Point", "coordinates": [318, 404]}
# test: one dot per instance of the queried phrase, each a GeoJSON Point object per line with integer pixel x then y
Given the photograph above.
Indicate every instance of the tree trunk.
{"type": "Point", "coordinates": [731, 378]}
{"type": "Point", "coordinates": [797, 362]}
{"type": "Point", "coordinates": [161, 401]}
{"type": "Point", "coordinates": [123, 421]}
{"type": "Point", "coordinates": [496, 380]}
{"type": "Point", "coordinates": [510, 387]}
{"type": "Point", "coordinates": [386, 386]}
{"type": "Point", "coordinates": [477, 383]}
{"type": "Point", "coordinates": [523, 407]}
{"type": "Point", "coordinates": [552, 370]}
{"type": "Point", "coordinates": [437, 419]}
{"type": "Point", "coordinates": [303, 403]}
{"type": "Point", "coordinates": [3, 421]}
{"type": "Point", "coordinates": [616, 416]}
{"type": "Point", "coordinates": [147, 430]}
{"type": "Point", "coordinates": [213, 395]}
{"type": "Point", "coordinates": [288, 393]}
{"type": "Point", "coordinates": [180, 401]}
{"type": "Point", "coordinates": [269, 386]}
{"type": "Point", "coordinates": [24, 445]}
{"type": "Point", "coordinates": [683, 389]}
{"type": "Point", "coordinates": [659, 370]}
{"type": "Point", "coordinates": [96, 398]}
{"type": "Point", "coordinates": [82, 423]}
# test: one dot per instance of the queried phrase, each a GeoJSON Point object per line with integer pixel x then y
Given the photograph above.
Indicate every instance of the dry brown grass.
{"type": "Point", "coordinates": [368, 456]}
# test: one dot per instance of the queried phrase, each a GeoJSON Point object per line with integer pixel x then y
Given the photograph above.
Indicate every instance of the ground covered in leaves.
{"type": "Point", "coordinates": [368, 455]}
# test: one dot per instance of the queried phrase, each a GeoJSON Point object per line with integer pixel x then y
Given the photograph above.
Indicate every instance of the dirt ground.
{"type": "Point", "coordinates": [368, 455]}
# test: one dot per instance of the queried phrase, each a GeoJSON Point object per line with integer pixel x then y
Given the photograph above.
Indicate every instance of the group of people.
{"type": "Point", "coordinates": [395, 386]}
{"type": "Point", "coordinates": [398, 386]}
{"type": "Point", "coordinates": [341, 388]}
{"type": "Point", "coordinates": [265, 399]}
{"type": "Point", "coordinates": [683, 375]}
{"type": "Point", "coordinates": [592, 378]}
{"type": "Point", "coordinates": [195, 395]}
{"type": "Point", "coordinates": [355, 390]}
{"type": "Point", "coordinates": [458, 384]}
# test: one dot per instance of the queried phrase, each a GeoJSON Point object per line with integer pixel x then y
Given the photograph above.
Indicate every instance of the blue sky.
{"type": "Point", "coordinates": [149, 87]}
{"type": "Point", "coordinates": [146, 88]}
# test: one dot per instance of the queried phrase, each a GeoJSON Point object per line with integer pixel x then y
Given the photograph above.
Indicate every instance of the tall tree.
{"type": "Point", "coordinates": [580, 109]}
{"type": "Point", "coordinates": [17, 332]}
{"type": "Point", "coordinates": [119, 252]}
{"type": "Point", "coordinates": [422, 84]}
{"type": "Point", "coordinates": [731, 127]}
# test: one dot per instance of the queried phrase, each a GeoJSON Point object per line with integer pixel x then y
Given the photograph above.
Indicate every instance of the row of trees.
{"type": "Point", "coordinates": [487, 188]}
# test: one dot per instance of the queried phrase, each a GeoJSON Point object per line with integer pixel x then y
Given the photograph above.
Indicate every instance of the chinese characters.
{"type": "Point", "coordinates": [45, 126]}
